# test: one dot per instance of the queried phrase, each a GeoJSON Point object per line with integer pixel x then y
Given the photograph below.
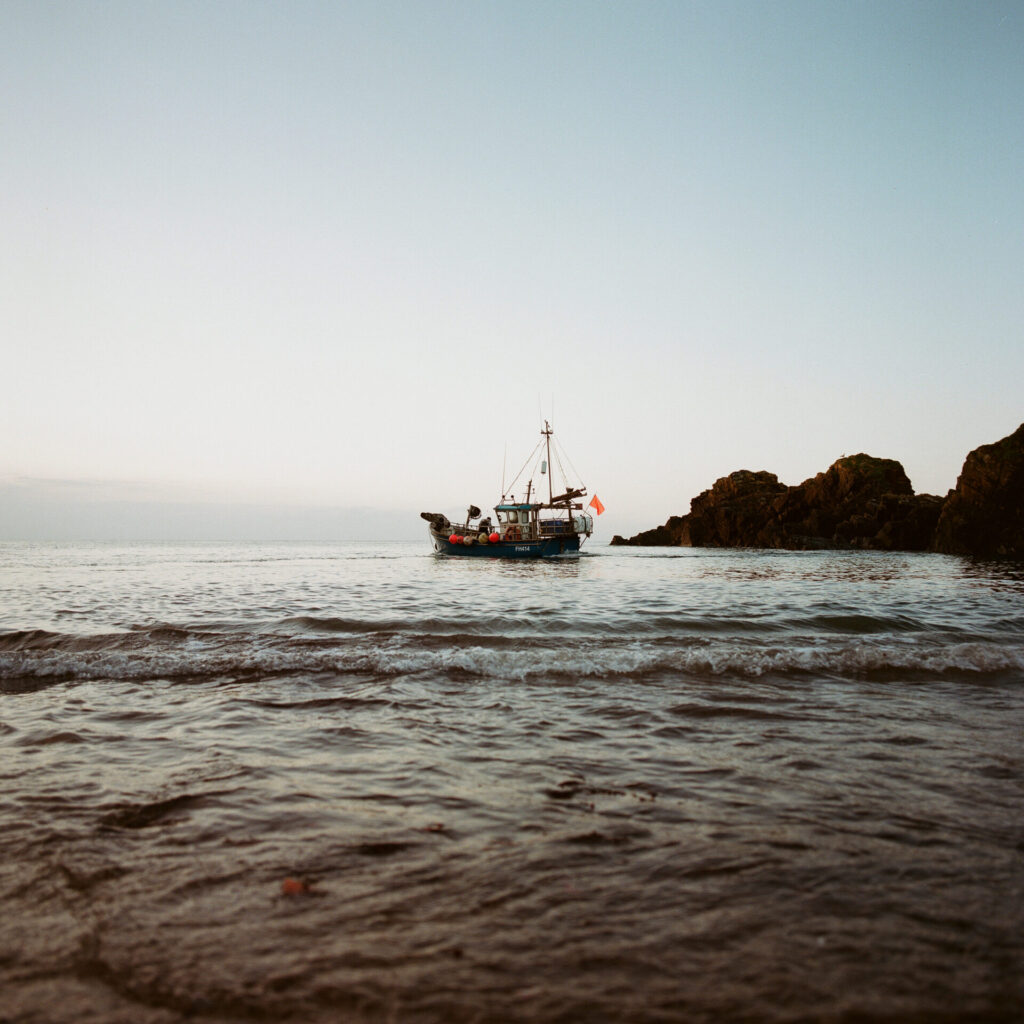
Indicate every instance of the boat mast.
{"type": "Point", "coordinates": [547, 434]}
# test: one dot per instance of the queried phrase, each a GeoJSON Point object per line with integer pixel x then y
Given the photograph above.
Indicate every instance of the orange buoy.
{"type": "Point", "coordinates": [494, 538]}
{"type": "Point", "coordinates": [454, 539]}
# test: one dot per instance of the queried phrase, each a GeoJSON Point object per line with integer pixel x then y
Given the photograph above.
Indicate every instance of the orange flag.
{"type": "Point", "coordinates": [595, 504]}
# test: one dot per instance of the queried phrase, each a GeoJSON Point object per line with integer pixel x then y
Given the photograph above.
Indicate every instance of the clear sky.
{"type": "Point", "coordinates": [341, 254]}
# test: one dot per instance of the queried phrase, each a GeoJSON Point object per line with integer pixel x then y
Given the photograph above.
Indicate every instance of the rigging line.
{"type": "Point", "coordinates": [571, 466]}
{"type": "Point", "coordinates": [561, 469]}
{"type": "Point", "coordinates": [525, 464]}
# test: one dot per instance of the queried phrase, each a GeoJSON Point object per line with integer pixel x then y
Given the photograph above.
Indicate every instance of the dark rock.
{"type": "Point", "coordinates": [862, 502]}
{"type": "Point", "coordinates": [661, 536]}
{"type": "Point", "coordinates": [735, 512]}
{"type": "Point", "coordinates": [859, 502]}
{"type": "Point", "coordinates": [984, 514]}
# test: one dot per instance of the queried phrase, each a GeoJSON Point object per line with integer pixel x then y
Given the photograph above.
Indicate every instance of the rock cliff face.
{"type": "Point", "coordinates": [858, 502]}
{"type": "Point", "coordinates": [984, 514]}
{"type": "Point", "coordinates": [861, 502]}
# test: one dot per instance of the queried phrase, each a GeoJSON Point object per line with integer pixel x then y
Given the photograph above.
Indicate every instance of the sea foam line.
{"type": "Point", "coordinates": [527, 660]}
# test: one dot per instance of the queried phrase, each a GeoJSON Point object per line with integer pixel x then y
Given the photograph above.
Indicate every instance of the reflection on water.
{"type": "Point", "coordinates": [515, 568]}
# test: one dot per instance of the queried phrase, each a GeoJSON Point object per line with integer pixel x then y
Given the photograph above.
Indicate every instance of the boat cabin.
{"type": "Point", "coordinates": [522, 521]}
{"type": "Point", "coordinates": [516, 522]}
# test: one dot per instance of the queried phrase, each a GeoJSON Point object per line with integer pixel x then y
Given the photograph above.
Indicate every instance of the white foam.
{"type": "Point", "coordinates": [531, 659]}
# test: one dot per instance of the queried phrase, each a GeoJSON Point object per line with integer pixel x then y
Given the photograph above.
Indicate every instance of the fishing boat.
{"type": "Point", "coordinates": [528, 528]}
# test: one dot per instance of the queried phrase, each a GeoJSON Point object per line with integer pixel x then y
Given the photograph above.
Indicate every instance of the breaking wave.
{"type": "Point", "coordinates": [173, 653]}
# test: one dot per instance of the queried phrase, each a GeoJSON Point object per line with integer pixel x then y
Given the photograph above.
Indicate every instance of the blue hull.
{"type": "Point", "coordinates": [549, 547]}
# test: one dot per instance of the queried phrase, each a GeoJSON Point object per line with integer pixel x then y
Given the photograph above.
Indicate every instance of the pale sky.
{"type": "Point", "coordinates": [342, 254]}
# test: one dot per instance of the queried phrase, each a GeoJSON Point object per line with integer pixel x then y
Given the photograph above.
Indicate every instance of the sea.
{"type": "Point", "coordinates": [364, 782]}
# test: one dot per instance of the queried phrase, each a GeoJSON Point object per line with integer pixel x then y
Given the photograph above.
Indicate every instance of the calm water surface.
{"type": "Point", "coordinates": [639, 785]}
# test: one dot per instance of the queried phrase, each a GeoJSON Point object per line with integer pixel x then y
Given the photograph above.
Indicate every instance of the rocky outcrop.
{"type": "Point", "coordinates": [862, 502]}
{"type": "Point", "coordinates": [859, 502]}
{"type": "Point", "coordinates": [984, 514]}
{"type": "Point", "coordinates": [735, 512]}
{"type": "Point", "coordinates": [667, 536]}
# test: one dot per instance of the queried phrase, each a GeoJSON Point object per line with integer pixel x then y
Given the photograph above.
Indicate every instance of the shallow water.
{"type": "Point", "coordinates": [644, 785]}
